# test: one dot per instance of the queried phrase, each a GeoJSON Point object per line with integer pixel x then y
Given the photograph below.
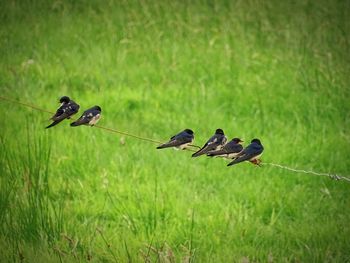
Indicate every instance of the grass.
{"type": "Point", "coordinates": [275, 70]}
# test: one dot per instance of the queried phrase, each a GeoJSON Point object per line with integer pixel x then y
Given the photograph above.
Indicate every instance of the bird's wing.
{"type": "Point", "coordinates": [251, 151]}
{"type": "Point", "coordinates": [218, 152]}
{"type": "Point", "coordinates": [74, 107]}
{"type": "Point", "coordinates": [58, 113]}
{"type": "Point", "coordinates": [65, 111]}
{"type": "Point", "coordinates": [203, 150]}
{"type": "Point", "coordinates": [227, 149]}
{"type": "Point", "coordinates": [85, 118]}
{"type": "Point", "coordinates": [243, 152]}
{"type": "Point", "coordinates": [62, 116]}
{"type": "Point", "coordinates": [211, 145]}
{"type": "Point", "coordinates": [176, 141]}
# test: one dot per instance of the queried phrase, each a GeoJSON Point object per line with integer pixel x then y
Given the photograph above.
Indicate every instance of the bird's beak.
{"type": "Point", "coordinates": [241, 141]}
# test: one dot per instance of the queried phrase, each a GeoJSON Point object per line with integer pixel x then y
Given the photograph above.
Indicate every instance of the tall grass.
{"type": "Point", "coordinates": [29, 212]}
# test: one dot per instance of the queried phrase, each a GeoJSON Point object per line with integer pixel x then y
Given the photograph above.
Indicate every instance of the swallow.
{"type": "Point", "coordinates": [65, 111]}
{"type": "Point", "coordinates": [180, 140]}
{"type": "Point", "coordinates": [230, 149]}
{"type": "Point", "coordinates": [251, 153]}
{"type": "Point", "coordinates": [89, 117]}
{"type": "Point", "coordinates": [216, 142]}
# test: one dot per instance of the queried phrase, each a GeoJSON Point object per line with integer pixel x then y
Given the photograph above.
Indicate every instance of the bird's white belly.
{"type": "Point", "coordinates": [219, 147]}
{"type": "Point", "coordinates": [95, 119]}
{"type": "Point", "coordinates": [256, 157]}
{"type": "Point", "coordinates": [184, 146]}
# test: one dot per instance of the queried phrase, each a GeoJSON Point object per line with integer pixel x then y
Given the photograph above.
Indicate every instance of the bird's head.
{"type": "Point", "coordinates": [219, 131]}
{"type": "Point", "coordinates": [237, 140]}
{"type": "Point", "coordinates": [97, 108]}
{"type": "Point", "coordinates": [256, 141]}
{"type": "Point", "coordinates": [189, 131]}
{"type": "Point", "coordinates": [64, 99]}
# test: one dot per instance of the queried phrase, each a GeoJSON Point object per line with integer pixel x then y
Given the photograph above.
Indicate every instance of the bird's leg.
{"type": "Point", "coordinates": [253, 161]}
{"type": "Point", "coordinates": [256, 162]}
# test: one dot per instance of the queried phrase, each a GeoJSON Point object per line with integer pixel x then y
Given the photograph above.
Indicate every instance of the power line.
{"type": "Point", "coordinates": [332, 176]}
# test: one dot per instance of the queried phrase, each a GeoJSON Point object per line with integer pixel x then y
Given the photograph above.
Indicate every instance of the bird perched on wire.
{"type": "Point", "coordinates": [65, 111]}
{"type": "Point", "coordinates": [181, 140]}
{"type": "Point", "coordinates": [251, 153]}
{"type": "Point", "coordinates": [216, 142]}
{"type": "Point", "coordinates": [89, 117]}
{"type": "Point", "coordinates": [230, 149]}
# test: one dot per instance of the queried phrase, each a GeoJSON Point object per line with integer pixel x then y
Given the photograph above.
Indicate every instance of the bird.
{"type": "Point", "coordinates": [180, 140]}
{"type": "Point", "coordinates": [230, 149]}
{"type": "Point", "coordinates": [251, 153]}
{"type": "Point", "coordinates": [216, 142]}
{"type": "Point", "coordinates": [65, 111]}
{"type": "Point", "coordinates": [90, 117]}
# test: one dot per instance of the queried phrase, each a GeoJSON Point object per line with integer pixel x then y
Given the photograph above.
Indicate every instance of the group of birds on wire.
{"type": "Point", "coordinates": [232, 149]}
{"type": "Point", "coordinates": [216, 146]}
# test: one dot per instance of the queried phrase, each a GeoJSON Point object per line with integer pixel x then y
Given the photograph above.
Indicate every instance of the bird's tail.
{"type": "Point", "coordinates": [237, 160]}
{"type": "Point", "coordinates": [73, 124]}
{"type": "Point", "coordinates": [165, 145]}
{"type": "Point", "coordinates": [53, 124]}
{"type": "Point", "coordinates": [216, 153]}
{"type": "Point", "coordinates": [198, 153]}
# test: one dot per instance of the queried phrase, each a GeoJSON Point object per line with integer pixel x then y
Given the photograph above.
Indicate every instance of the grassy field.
{"type": "Point", "coordinates": [278, 71]}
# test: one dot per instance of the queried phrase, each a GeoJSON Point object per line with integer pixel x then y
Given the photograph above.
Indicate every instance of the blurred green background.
{"type": "Point", "coordinates": [275, 70]}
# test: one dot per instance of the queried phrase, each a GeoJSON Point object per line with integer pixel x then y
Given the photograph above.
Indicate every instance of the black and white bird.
{"type": "Point", "coordinates": [89, 117]}
{"type": "Point", "coordinates": [251, 153]}
{"type": "Point", "coordinates": [181, 140]}
{"type": "Point", "coordinates": [230, 149]}
{"type": "Point", "coordinates": [216, 142]}
{"type": "Point", "coordinates": [65, 111]}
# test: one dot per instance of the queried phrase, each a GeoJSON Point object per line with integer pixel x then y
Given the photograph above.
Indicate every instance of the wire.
{"type": "Point", "coordinates": [25, 104]}
{"type": "Point", "coordinates": [96, 126]}
{"type": "Point", "coordinates": [332, 176]}
{"type": "Point", "coordinates": [127, 134]}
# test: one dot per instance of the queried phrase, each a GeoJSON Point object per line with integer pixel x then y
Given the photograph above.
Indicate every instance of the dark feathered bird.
{"type": "Point", "coordinates": [89, 117]}
{"type": "Point", "coordinates": [230, 149]}
{"type": "Point", "coordinates": [180, 140]}
{"type": "Point", "coordinates": [65, 111]}
{"type": "Point", "coordinates": [216, 142]}
{"type": "Point", "coordinates": [251, 153]}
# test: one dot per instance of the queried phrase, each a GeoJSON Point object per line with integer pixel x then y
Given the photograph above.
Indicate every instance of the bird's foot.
{"type": "Point", "coordinates": [256, 162]}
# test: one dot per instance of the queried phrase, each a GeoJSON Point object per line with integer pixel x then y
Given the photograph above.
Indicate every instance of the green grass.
{"type": "Point", "coordinates": [277, 70]}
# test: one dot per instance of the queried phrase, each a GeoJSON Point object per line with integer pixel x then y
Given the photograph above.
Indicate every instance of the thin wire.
{"type": "Point", "coordinates": [97, 126]}
{"type": "Point", "coordinates": [127, 134]}
{"type": "Point", "coordinates": [138, 137]}
{"type": "Point", "coordinates": [25, 104]}
{"type": "Point", "coordinates": [332, 176]}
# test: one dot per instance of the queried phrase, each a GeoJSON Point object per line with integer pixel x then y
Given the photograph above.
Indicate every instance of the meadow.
{"type": "Point", "coordinates": [273, 70]}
